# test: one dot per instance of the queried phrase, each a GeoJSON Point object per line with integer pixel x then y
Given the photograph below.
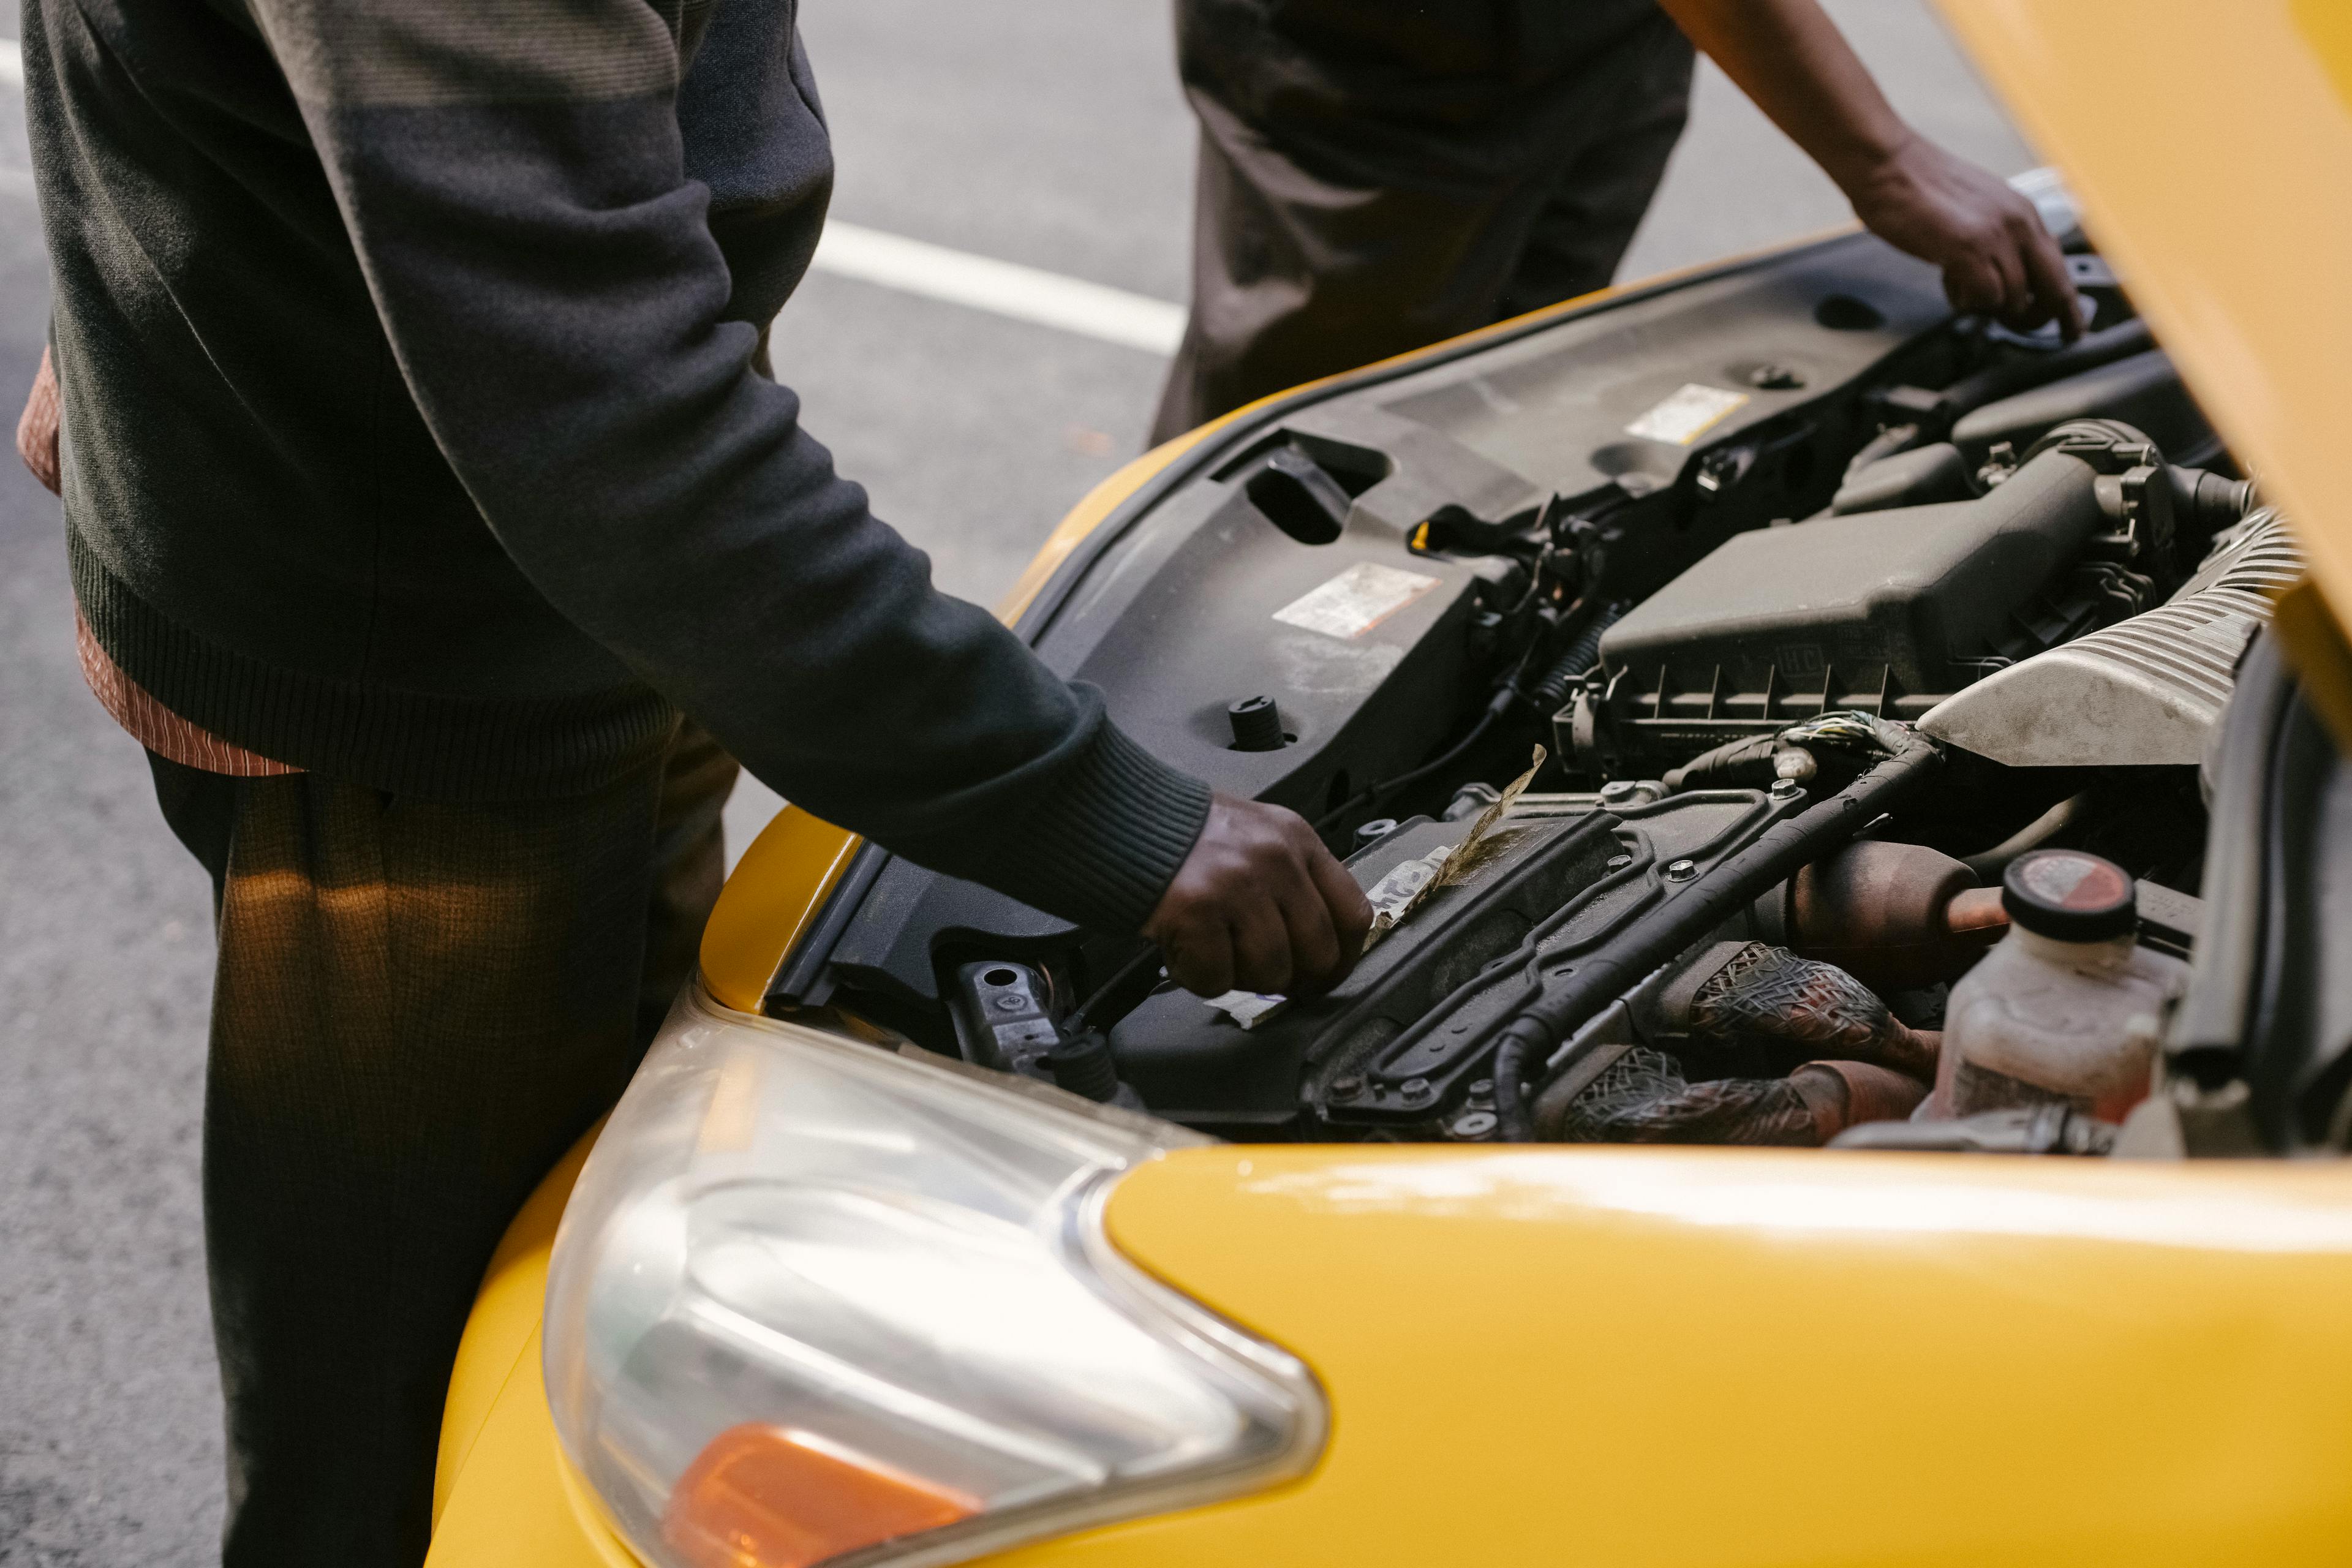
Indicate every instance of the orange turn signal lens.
{"type": "Point", "coordinates": [769, 1497]}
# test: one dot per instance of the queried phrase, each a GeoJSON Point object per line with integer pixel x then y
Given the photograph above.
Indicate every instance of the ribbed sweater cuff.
{"type": "Point", "coordinates": [1103, 845]}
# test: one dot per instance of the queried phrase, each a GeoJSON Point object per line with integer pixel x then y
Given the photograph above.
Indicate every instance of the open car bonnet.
{"type": "Point", "coordinates": [2211, 149]}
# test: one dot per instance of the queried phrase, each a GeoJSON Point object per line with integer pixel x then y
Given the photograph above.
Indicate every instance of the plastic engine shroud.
{"type": "Point", "coordinates": [1402, 1041]}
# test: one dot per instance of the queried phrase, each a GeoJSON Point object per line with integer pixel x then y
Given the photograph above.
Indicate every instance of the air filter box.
{"type": "Point", "coordinates": [1886, 611]}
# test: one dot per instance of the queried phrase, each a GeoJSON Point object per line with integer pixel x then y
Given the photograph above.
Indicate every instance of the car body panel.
{"type": "Point", "coordinates": [1748, 1357]}
{"type": "Point", "coordinates": [501, 1497]}
{"type": "Point", "coordinates": [775, 892]}
{"type": "Point", "coordinates": [2210, 148]}
{"type": "Point", "coordinates": [1690, 1357]}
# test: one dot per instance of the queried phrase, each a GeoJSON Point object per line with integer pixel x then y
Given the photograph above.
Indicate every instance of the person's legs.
{"type": "Point", "coordinates": [1296, 276]}
{"type": "Point", "coordinates": [1371, 172]}
{"type": "Point", "coordinates": [689, 865]}
{"type": "Point", "coordinates": [1576, 239]}
{"type": "Point", "coordinates": [200, 808]}
{"type": "Point", "coordinates": [417, 1008]}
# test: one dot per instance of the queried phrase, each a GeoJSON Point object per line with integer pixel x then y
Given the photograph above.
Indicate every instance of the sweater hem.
{"type": "Point", "coordinates": [458, 750]}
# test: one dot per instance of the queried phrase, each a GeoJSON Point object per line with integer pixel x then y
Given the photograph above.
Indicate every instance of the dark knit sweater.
{"type": "Point", "coordinates": [413, 434]}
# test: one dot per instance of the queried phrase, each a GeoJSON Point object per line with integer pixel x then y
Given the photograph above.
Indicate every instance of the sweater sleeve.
{"type": "Point", "coordinates": [512, 175]}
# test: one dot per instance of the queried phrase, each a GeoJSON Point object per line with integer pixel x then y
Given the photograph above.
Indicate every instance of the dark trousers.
{"type": "Point", "coordinates": [1376, 175]}
{"type": "Point", "coordinates": [418, 1008]}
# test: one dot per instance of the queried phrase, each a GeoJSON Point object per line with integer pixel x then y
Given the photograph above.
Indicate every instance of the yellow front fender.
{"type": "Point", "coordinates": [1736, 1357]}
{"type": "Point", "coordinates": [1654, 1359]}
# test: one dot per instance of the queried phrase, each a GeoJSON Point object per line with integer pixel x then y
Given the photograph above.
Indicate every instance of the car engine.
{"type": "Point", "coordinates": [1681, 682]}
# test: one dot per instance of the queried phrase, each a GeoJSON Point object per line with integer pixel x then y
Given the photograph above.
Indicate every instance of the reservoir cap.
{"type": "Point", "coordinates": [2069, 896]}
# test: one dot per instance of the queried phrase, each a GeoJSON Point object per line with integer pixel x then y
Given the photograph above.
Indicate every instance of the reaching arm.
{"type": "Point", "coordinates": [511, 175]}
{"type": "Point", "coordinates": [1790, 58]}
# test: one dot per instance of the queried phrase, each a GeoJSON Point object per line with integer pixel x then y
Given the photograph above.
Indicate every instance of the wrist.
{"type": "Point", "coordinates": [1865, 163]}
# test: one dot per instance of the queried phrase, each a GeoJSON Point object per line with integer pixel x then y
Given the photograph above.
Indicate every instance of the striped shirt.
{"type": "Point", "coordinates": [157, 727]}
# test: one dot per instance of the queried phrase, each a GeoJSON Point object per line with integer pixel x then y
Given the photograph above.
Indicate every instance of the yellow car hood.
{"type": "Point", "coordinates": [1651, 1358]}
{"type": "Point", "coordinates": [2210, 147]}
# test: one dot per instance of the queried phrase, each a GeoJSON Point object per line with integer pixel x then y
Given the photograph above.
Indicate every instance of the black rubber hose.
{"type": "Point", "coordinates": [1987, 865]}
{"type": "Point", "coordinates": [1778, 852]}
{"type": "Point", "coordinates": [1503, 703]}
{"type": "Point", "coordinates": [1582, 653]}
{"type": "Point", "coordinates": [1118, 978]}
{"type": "Point", "coordinates": [1450, 755]}
{"type": "Point", "coordinates": [1991, 384]}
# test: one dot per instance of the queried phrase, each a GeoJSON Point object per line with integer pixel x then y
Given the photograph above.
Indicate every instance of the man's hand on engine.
{"type": "Point", "coordinates": [36, 428]}
{"type": "Point", "coordinates": [1997, 258]}
{"type": "Point", "coordinates": [1260, 904]}
{"type": "Point", "coordinates": [1790, 60]}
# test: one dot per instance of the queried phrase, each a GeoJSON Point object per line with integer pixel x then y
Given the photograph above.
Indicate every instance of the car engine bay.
{"type": "Point", "coordinates": [1763, 709]}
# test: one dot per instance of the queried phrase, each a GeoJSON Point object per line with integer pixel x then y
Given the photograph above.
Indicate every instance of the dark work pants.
{"type": "Point", "coordinates": [1376, 175]}
{"type": "Point", "coordinates": [417, 1008]}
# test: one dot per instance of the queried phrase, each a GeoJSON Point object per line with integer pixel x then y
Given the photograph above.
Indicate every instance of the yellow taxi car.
{"type": "Point", "coordinates": [933, 1230]}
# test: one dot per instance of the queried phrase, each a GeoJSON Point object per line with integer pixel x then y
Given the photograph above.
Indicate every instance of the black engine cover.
{"type": "Point", "coordinates": [1402, 1041]}
{"type": "Point", "coordinates": [1888, 612]}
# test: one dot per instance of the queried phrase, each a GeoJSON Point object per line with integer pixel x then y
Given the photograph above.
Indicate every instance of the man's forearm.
{"type": "Point", "coordinates": [1790, 60]}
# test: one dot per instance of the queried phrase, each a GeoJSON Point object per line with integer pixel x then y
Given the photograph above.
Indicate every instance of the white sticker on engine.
{"type": "Point", "coordinates": [1682, 416]}
{"type": "Point", "coordinates": [1357, 600]}
{"type": "Point", "coordinates": [1249, 1008]}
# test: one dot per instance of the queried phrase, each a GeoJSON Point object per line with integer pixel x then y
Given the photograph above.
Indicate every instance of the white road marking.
{"type": "Point", "coordinates": [913, 267]}
{"type": "Point", "coordinates": [13, 180]}
{"type": "Point", "coordinates": [1000, 287]}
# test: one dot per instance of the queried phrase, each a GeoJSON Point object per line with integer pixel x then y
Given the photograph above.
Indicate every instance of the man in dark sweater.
{"type": "Point", "coordinates": [420, 473]}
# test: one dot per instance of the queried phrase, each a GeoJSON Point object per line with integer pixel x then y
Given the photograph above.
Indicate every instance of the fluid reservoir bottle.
{"type": "Point", "coordinates": [2067, 1007]}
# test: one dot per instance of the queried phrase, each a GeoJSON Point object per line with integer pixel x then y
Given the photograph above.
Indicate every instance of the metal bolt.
{"type": "Point", "coordinates": [1681, 870]}
{"type": "Point", "coordinates": [1787, 789]}
{"type": "Point", "coordinates": [1473, 1124]}
{"type": "Point", "coordinates": [1012, 1002]}
{"type": "Point", "coordinates": [1414, 1089]}
{"type": "Point", "coordinates": [1619, 862]}
{"type": "Point", "coordinates": [1618, 789]}
{"type": "Point", "coordinates": [1482, 1088]}
{"type": "Point", "coordinates": [1347, 1088]}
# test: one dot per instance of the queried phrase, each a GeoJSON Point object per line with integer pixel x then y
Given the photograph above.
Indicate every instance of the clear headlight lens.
{"type": "Point", "coordinates": [814, 1301]}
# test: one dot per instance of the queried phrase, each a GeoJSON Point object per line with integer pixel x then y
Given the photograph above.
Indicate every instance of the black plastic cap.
{"type": "Point", "coordinates": [1257, 724]}
{"type": "Point", "coordinates": [2068, 896]}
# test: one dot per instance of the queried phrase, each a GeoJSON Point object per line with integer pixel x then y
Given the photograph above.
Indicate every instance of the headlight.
{"type": "Point", "coordinates": [812, 1301]}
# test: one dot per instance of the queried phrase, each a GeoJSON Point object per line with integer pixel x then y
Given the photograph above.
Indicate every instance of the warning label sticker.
{"type": "Point", "coordinates": [1357, 600]}
{"type": "Point", "coordinates": [1682, 416]}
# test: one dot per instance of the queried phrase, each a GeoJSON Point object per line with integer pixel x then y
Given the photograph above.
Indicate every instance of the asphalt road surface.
{"type": "Point", "coordinates": [1047, 134]}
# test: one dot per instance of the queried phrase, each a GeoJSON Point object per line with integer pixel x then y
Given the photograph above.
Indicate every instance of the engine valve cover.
{"type": "Point", "coordinates": [1405, 1037]}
